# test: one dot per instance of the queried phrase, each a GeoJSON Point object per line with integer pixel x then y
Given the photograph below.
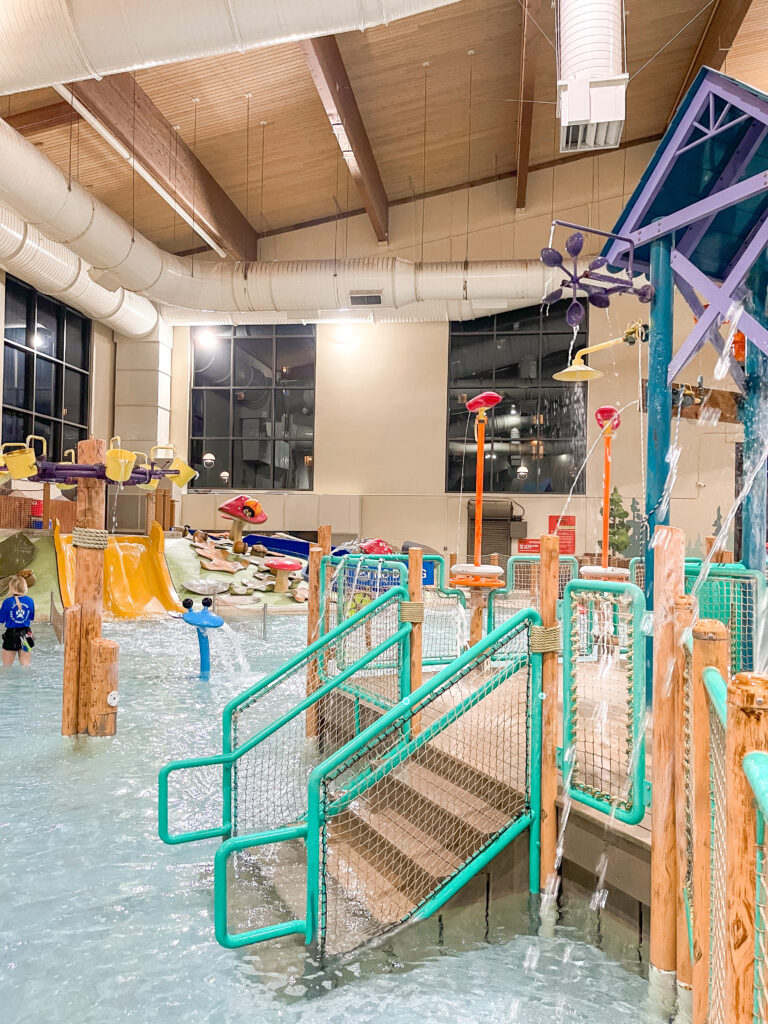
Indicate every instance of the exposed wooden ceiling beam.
{"type": "Point", "coordinates": [27, 122]}
{"type": "Point", "coordinates": [127, 112]}
{"type": "Point", "coordinates": [525, 105]}
{"type": "Point", "coordinates": [331, 80]}
{"type": "Point", "coordinates": [721, 29]}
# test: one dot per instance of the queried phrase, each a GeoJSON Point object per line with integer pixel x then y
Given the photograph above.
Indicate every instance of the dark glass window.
{"type": "Point", "coordinates": [46, 362]}
{"type": "Point", "coordinates": [536, 436]}
{"type": "Point", "coordinates": [253, 406]}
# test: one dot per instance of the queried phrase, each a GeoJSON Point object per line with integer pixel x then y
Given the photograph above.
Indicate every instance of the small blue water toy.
{"type": "Point", "coordinates": [203, 620]}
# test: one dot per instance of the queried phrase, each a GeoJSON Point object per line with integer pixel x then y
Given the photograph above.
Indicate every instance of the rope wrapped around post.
{"type": "Point", "coordinates": [85, 538]}
{"type": "Point", "coordinates": [544, 640]}
{"type": "Point", "coordinates": [412, 611]}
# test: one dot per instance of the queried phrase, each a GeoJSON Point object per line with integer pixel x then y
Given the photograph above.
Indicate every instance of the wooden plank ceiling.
{"type": "Point", "coordinates": [299, 174]}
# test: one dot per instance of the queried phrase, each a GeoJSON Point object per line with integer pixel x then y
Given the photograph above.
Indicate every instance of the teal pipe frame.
{"type": "Point", "coordinates": [512, 561]}
{"type": "Point", "coordinates": [659, 412]}
{"type": "Point", "coordinates": [406, 708]}
{"type": "Point", "coordinates": [754, 410]}
{"type": "Point", "coordinates": [637, 783]}
{"type": "Point", "coordinates": [718, 692]}
{"type": "Point", "coordinates": [229, 756]}
{"type": "Point", "coordinates": [756, 770]}
{"type": "Point", "coordinates": [220, 903]}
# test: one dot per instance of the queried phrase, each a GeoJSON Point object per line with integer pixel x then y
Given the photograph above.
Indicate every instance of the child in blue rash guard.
{"type": "Point", "coordinates": [17, 613]}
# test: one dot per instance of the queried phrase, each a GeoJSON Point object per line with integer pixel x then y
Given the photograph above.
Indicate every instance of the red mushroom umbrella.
{"type": "Point", "coordinates": [245, 508]}
{"type": "Point", "coordinates": [282, 568]}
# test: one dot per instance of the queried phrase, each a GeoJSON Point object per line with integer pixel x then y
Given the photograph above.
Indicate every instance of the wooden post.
{"type": "Point", "coordinates": [46, 506]}
{"type": "Point", "coordinates": [324, 540]}
{"type": "Point", "coordinates": [415, 594]}
{"type": "Point", "coordinates": [747, 731]}
{"type": "Point", "coordinates": [710, 647]}
{"type": "Point", "coordinates": [151, 514]}
{"type": "Point", "coordinates": [452, 560]}
{"type": "Point", "coordinates": [71, 686]}
{"type": "Point", "coordinates": [683, 623]}
{"type": "Point", "coordinates": [476, 610]}
{"type": "Point", "coordinates": [550, 568]}
{"type": "Point", "coordinates": [102, 715]}
{"type": "Point", "coordinates": [668, 584]}
{"type": "Point", "coordinates": [313, 631]}
{"type": "Point", "coordinates": [89, 570]}
{"type": "Point", "coordinates": [171, 511]}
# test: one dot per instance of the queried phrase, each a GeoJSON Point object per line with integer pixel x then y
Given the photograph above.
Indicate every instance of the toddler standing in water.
{"type": "Point", "coordinates": [17, 613]}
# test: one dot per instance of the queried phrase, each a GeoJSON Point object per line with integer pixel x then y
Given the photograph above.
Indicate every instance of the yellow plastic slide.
{"type": "Point", "coordinates": [137, 584]}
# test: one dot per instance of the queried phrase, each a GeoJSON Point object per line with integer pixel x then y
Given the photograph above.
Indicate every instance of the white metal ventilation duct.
{"type": "Point", "coordinates": [591, 87]}
{"type": "Point", "coordinates": [49, 42]}
{"type": "Point", "coordinates": [53, 269]}
{"type": "Point", "coordinates": [413, 313]}
{"type": "Point", "coordinates": [39, 192]}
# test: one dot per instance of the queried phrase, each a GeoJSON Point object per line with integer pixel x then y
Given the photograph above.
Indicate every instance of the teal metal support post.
{"type": "Point", "coordinates": [754, 414]}
{"type": "Point", "coordinates": [659, 413]}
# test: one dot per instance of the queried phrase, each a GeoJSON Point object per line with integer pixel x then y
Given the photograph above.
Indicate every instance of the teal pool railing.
{"type": "Point", "coordinates": [736, 597]}
{"type": "Point", "coordinates": [352, 581]}
{"type": "Point", "coordinates": [476, 725]}
{"type": "Point", "coordinates": [522, 586]}
{"type": "Point", "coordinates": [603, 758]}
{"type": "Point", "coordinates": [261, 778]}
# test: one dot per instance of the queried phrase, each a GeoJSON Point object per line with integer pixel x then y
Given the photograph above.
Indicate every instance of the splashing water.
{"type": "Point", "coordinates": [723, 365]}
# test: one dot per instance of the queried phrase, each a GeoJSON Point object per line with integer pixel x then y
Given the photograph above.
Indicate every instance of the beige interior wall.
{"type": "Point", "coordinates": [381, 404]}
{"type": "Point", "coordinates": [382, 390]}
{"type": "Point", "coordinates": [102, 381]}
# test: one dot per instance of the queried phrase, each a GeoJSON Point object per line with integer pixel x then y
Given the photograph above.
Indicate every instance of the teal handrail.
{"type": "Point", "coordinates": [718, 692]}
{"type": "Point", "coordinates": [405, 710]}
{"type": "Point", "coordinates": [756, 770]}
{"type": "Point", "coordinates": [394, 720]}
{"type": "Point", "coordinates": [228, 757]}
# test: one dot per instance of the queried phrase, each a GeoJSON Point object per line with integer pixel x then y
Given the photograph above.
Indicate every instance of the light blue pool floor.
{"type": "Point", "coordinates": [100, 922]}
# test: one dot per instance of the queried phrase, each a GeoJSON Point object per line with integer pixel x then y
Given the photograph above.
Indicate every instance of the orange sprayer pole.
{"type": "Point", "coordinates": [481, 421]}
{"type": "Point", "coordinates": [606, 494]}
{"type": "Point", "coordinates": [608, 420]}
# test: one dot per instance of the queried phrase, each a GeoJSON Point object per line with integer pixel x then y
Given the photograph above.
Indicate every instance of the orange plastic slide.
{"type": "Point", "coordinates": [137, 584]}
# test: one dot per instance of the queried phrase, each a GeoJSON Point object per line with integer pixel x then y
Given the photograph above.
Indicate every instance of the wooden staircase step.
{"type": "Point", "coordinates": [359, 879]}
{"type": "Point", "coordinates": [408, 842]}
{"type": "Point", "coordinates": [471, 776]}
{"type": "Point", "coordinates": [451, 798]}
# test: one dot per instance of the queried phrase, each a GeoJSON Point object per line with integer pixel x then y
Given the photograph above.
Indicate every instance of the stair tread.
{"type": "Point", "coordinates": [382, 899]}
{"type": "Point", "coordinates": [424, 850]}
{"type": "Point", "coordinates": [452, 797]}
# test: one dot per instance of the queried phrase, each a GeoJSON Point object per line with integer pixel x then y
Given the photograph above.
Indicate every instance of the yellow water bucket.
{"type": "Point", "coordinates": [62, 486]}
{"type": "Point", "coordinates": [120, 461]}
{"type": "Point", "coordinates": [4, 474]}
{"type": "Point", "coordinates": [22, 463]}
{"type": "Point", "coordinates": [151, 485]}
{"type": "Point", "coordinates": [181, 472]}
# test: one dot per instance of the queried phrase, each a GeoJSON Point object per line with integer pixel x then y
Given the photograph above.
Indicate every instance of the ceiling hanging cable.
{"type": "Point", "coordinates": [195, 103]}
{"type": "Point", "coordinates": [246, 253]}
{"type": "Point", "coordinates": [133, 164]}
{"type": "Point", "coordinates": [470, 54]}
{"type": "Point", "coordinates": [425, 65]}
{"type": "Point", "coordinates": [261, 181]}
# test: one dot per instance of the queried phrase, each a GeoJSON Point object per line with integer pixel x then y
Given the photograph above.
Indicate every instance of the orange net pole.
{"type": "Point", "coordinates": [479, 487]}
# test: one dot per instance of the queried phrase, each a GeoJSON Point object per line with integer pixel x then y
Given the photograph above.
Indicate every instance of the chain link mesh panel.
{"type": "Point", "coordinates": [604, 698]}
{"type": "Point", "coordinates": [523, 587]}
{"type": "Point", "coordinates": [354, 581]}
{"type": "Point", "coordinates": [687, 683]}
{"type": "Point", "coordinates": [735, 597]}
{"type": "Point", "coordinates": [405, 814]}
{"type": "Point", "coordinates": [270, 779]}
{"type": "Point", "coordinates": [717, 927]}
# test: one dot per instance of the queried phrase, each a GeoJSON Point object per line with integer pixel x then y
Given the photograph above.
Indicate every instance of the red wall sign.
{"type": "Point", "coordinates": [528, 546]}
{"type": "Point", "coordinates": [565, 528]}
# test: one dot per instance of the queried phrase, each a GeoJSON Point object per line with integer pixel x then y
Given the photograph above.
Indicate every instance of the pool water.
{"type": "Point", "coordinates": [100, 922]}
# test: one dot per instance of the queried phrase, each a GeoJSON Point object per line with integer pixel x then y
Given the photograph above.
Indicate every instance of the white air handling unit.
{"type": "Point", "coordinates": [592, 84]}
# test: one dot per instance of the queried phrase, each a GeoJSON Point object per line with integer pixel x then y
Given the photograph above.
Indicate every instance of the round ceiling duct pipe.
{"type": "Point", "coordinates": [76, 39]}
{"type": "Point", "coordinates": [54, 270]}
